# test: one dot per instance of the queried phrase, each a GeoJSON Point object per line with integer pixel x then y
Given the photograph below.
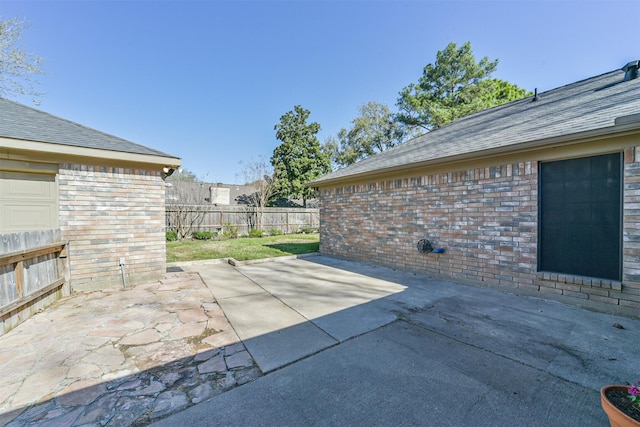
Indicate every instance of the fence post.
{"type": "Point", "coordinates": [19, 275]}
{"type": "Point", "coordinates": [66, 271]}
{"type": "Point", "coordinates": [288, 228]}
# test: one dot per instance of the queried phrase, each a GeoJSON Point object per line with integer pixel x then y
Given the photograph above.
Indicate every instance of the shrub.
{"type": "Point", "coordinates": [308, 230]}
{"type": "Point", "coordinates": [230, 231]}
{"type": "Point", "coordinates": [202, 235]}
{"type": "Point", "coordinates": [172, 236]}
{"type": "Point", "coordinates": [275, 232]}
{"type": "Point", "coordinates": [256, 232]}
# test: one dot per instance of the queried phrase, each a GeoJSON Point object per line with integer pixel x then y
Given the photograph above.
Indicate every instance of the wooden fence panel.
{"type": "Point", "coordinates": [216, 218]}
{"type": "Point", "coordinates": [33, 274]}
{"type": "Point", "coordinates": [278, 220]}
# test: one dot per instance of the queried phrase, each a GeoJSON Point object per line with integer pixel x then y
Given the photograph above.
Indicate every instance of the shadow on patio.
{"type": "Point", "coordinates": [361, 344]}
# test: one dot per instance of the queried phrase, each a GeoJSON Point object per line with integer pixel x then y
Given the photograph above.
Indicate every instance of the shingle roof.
{"type": "Point", "coordinates": [587, 105]}
{"type": "Point", "coordinates": [18, 121]}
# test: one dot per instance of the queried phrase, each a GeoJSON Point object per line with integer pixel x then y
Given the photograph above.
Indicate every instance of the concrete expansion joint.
{"type": "Point", "coordinates": [269, 293]}
{"type": "Point", "coordinates": [337, 343]}
{"type": "Point", "coordinates": [239, 296]}
{"type": "Point", "coordinates": [307, 356]}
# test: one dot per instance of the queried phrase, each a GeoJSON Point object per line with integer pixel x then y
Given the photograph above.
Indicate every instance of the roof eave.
{"type": "Point", "coordinates": [623, 126]}
{"type": "Point", "coordinates": [20, 145]}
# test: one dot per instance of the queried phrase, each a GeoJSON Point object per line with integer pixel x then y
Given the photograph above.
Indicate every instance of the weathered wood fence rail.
{"type": "Point", "coordinates": [33, 275]}
{"type": "Point", "coordinates": [216, 218]}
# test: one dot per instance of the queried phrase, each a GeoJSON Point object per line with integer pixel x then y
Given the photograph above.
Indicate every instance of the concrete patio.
{"type": "Point", "coordinates": [347, 343]}
{"type": "Point", "coordinates": [339, 343]}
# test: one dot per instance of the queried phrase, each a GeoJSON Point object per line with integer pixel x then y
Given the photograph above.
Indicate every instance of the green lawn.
{"type": "Point", "coordinates": [243, 248]}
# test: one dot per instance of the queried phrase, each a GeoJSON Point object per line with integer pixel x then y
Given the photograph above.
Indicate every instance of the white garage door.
{"type": "Point", "coordinates": [28, 202]}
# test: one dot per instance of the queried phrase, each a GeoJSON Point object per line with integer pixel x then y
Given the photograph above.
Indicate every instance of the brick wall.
{"type": "Point", "coordinates": [486, 219]}
{"type": "Point", "coordinates": [628, 294]}
{"type": "Point", "coordinates": [107, 213]}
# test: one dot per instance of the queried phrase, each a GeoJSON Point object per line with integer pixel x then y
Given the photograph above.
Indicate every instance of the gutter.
{"type": "Point", "coordinates": [11, 147]}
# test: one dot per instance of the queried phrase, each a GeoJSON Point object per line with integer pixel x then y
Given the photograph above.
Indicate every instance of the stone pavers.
{"type": "Point", "coordinates": [121, 357]}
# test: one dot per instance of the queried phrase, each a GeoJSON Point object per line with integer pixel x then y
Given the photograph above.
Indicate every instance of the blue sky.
{"type": "Point", "coordinates": [208, 80]}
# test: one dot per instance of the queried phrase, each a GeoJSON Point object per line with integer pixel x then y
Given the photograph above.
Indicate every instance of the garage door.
{"type": "Point", "coordinates": [28, 202]}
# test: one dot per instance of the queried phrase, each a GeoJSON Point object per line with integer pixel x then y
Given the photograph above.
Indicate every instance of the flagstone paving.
{"type": "Point", "coordinates": [121, 357]}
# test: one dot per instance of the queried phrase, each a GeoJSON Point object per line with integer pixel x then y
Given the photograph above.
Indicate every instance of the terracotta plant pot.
{"type": "Point", "coordinates": [617, 418]}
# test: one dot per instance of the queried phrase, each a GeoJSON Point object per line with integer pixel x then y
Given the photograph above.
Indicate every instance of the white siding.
{"type": "Point", "coordinates": [28, 202]}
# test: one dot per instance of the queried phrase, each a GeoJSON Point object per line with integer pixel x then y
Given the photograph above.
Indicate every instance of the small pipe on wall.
{"type": "Point", "coordinates": [124, 278]}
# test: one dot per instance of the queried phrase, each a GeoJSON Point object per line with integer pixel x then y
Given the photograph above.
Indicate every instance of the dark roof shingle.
{"type": "Point", "coordinates": [20, 122]}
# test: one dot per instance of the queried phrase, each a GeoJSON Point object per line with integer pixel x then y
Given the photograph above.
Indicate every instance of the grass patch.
{"type": "Point", "coordinates": [243, 249]}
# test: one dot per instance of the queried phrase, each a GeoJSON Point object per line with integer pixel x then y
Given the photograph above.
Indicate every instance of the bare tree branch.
{"type": "Point", "coordinates": [17, 65]}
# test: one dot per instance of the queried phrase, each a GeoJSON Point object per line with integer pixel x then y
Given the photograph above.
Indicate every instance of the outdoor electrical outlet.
{"type": "Point", "coordinates": [121, 260]}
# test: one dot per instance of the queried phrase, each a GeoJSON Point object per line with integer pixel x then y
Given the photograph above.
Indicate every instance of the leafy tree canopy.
{"type": "Point", "coordinates": [373, 131]}
{"type": "Point", "coordinates": [454, 87]}
{"type": "Point", "coordinates": [16, 64]}
{"type": "Point", "coordinates": [299, 158]}
{"type": "Point", "coordinates": [496, 92]}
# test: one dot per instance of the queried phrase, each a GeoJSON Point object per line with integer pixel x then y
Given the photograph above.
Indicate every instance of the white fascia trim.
{"type": "Point", "coordinates": [69, 150]}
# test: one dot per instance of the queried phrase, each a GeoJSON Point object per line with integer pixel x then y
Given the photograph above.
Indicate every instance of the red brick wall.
{"type": "Point", "coordinates": [107, 213]}
{"type": "Point", "coordinates": [486, 219]}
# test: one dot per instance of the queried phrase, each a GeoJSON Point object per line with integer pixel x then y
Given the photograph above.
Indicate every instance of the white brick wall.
{"type": "Point", "coordinates": [107, 213]}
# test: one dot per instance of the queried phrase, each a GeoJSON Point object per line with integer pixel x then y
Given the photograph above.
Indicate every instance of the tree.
{"type": "Point", "coordinates": [331, 148]}
{"type": "Point", "coordinates": [454, 87]}
{"type": "Point", "coordinates": [16, 64]}
{"type": "Point", "coordinates": [299, 159]}
{"type": "Point", "coordinates": [185, 202]}
{"type": "Point", "coordinates": [259, 175]}
{"type": "Point", "coordinates": [497, 92]}
{"type": "Point", "coordinates": [373, 131]}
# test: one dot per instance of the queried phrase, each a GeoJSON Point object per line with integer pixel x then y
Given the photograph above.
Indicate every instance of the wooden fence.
{"type": "Point", "coordinates": [33, 274]}
{"type": "Point", "coordinates": [217, 218]}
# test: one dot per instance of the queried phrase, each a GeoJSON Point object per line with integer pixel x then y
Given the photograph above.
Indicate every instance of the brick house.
{"type": "Point", "coordinates": [102, 194]}
{"type": "Point", "coordinates": [539, 197]}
